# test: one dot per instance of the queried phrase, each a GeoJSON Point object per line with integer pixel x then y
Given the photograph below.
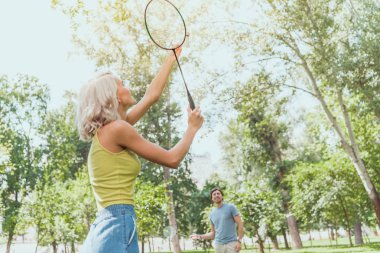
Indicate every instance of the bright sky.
{"type": "Point", "coordinates": [35, 40]}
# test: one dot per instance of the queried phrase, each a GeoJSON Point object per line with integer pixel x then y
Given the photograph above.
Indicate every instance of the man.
{"type": "Point", "coordinates": [224, 218]}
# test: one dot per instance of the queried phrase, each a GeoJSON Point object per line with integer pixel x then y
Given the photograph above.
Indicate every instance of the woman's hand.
{"type": "Point", "coordinates": [195, 118]}
{"type": "Point", "coordinates": [178, 51]}
{"type": "Point", "coordinates": [171, 55]}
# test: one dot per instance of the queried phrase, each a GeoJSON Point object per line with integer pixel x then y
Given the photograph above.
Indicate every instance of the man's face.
{"type": "Point", "coordinates": [217, 197]}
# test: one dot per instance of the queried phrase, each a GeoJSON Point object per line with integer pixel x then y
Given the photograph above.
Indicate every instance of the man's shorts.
{"type": "Point", "coordinates": [226, 248]}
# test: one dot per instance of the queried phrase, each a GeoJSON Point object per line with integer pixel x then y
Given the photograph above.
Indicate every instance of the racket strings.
{"type": "Point", "coordinates": [165, 24]}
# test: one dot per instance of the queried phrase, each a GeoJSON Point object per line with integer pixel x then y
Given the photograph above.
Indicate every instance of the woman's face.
{"type": "Point", "coordinates": [124, 94]}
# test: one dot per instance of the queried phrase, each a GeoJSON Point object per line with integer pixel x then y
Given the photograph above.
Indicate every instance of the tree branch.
{"type": "Point", "coordinates": [317, 91]}
{"type": "Point", "coordinates": [298, 88]}
{"type": "Point", "coordinates": [347, 121]}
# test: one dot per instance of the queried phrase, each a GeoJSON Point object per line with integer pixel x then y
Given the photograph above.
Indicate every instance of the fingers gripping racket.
{"type": "Point", "coordinates": [167, 29]}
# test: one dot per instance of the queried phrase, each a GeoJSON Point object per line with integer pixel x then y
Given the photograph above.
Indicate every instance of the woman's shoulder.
{"type": "Point", "coordinates": [117, 127]}
{"type": "Point", "coordinates": [113, 136]}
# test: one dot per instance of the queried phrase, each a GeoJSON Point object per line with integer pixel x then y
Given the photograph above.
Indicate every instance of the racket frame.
{"type": "Point", "coordinates": [189, 97]}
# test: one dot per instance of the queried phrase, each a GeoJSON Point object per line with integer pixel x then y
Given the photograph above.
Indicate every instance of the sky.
{"type": "Point", "coordinates": [36, 40]}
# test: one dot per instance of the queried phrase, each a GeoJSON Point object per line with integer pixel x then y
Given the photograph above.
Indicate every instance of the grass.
{"type": "Point", "coordinates": [320, 246]}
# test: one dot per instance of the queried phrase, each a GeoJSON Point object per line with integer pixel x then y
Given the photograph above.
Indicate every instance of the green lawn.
{"type": "Point", "coordinates": [325, 246]}
{"type": "Point", "coordinates": [372, 247]}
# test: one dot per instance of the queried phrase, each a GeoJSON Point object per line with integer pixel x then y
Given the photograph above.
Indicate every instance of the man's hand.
{"type": "Point", "coordinates": [238, 246]}
{"type": "Point", "coordinates": [195, 237]}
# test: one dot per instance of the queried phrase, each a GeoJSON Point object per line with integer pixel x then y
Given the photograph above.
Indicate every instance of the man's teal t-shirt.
{"type": "Point", "coordinates": [223, 220]}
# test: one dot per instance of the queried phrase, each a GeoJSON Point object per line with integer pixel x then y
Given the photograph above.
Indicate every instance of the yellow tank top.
{"type": "Point", "coordinates": [112, 175]}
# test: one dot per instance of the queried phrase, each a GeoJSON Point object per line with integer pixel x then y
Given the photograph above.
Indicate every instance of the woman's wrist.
{"type": "Point", "coordinates": [170, 59]}
{"type": "Point", "coordinates": [192, 129]}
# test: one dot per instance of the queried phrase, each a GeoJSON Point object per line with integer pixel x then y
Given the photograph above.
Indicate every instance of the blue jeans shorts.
{"type": "Point", "coordinates": [114, 230]}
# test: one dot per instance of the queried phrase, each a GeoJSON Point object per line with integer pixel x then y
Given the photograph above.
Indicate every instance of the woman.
{"type": "Point", "coordinates": [104, 117]}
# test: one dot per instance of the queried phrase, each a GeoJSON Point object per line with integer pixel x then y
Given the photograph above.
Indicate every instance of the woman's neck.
{"type": "Point", "coordinates": [122, 113]}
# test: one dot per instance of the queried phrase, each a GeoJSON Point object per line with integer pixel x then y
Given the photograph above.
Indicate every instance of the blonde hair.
{"type": "Point", "coordinates": [97, 105]}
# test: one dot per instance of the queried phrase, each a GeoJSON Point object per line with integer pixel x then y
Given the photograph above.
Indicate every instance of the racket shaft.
{"type": "Point", "coordinates": [191, 101]}
{"type": "Point", "coordinates": [189, 97]}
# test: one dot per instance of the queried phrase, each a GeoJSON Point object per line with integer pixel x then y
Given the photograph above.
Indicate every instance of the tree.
{"type": "Point", "coordinates": [23, 104]}
{"type": "Point", "coordinates": [65, 154]}
{"type": "Point", "coordinates": [61, 212]}
{"type": "Point", "coordinates": [264, 139]}
{"type": "Point", "coordinates": [260, 210]}
{"type": "Point", "coordinates": [150, 211]}
{"type": "Point", "coordinates": [329, 193]}
{"type": "Point", "coordinates": [183, 188]}
{"type": "Point", "coordinates": [317, 40]}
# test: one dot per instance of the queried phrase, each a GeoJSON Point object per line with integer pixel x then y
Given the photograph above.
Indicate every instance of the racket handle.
{"type": "Point", "coordinates": [191, 101]}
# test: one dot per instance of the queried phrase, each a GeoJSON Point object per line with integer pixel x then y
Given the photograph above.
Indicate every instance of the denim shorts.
{"type": "Point", "coordinates": [114, 230]}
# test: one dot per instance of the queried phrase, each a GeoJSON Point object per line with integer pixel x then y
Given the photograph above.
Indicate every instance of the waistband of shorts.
{"type": "Point", "coordinates": [116, 210]}
{"type": "Point", "coordinates": [224, 243]}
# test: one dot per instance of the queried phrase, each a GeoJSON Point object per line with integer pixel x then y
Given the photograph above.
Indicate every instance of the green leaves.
{"type": "Point", "coordinates": [23, 104]}
{"type": "Point", "coordinates": [324, 192]}
{"type": "Point", "coordinates": [150, 201]}
{"type": "Point", "coordinates": [64, 153]}
{"type": "Point", "coordinates": [61, 212]}
{"type": "Point", "coordinates": [259, 208]}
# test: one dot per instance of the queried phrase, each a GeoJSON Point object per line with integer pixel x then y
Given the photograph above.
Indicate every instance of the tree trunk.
{"type": "Point", "coordinates": [368, 185]}
{"type": "Point", "coordinates": [171, 211]}
{"type": "Point", "coordinates": [347, 219]}
{"type": "Point", "coordinates": [38, 242]}
{"type": "Point", "coordinates": [377, 230]}
{"type": "Point", "coordinates": [293, 230]}
{"type": "Point", "coordinates": [171, 214]}
{"type": "Point", "coordinates": [329, 235]}
{"type": "Point", "coordinates": [353, 151]}
{"type": "Point", "coordinates": [349, 237]}
{"type": "Point", "coordinates": [9, 242]}
{"type": "Point", "coordinates": [261, 246]}
{"type": "Point", "coordinates": [285, 238]}
{"type": "Point", "coordinates": [358, 233]}
{"type": "Point", "coordinates": [332, 234]}
{"type": "Point", "coordinates": [292, 223]}
{"type": "Point", "coordinates": [142, 244]}
{"type": "Point", "coordinates": [260, 243]}
{"type": "Point", "coordinates": [55, 247]}
{"type": "Point", "coordinates": [310, 238]}
{"type": "Point", "coordinates": [72, 247]}
{"type": "Point", "coordinates": [274, 241]}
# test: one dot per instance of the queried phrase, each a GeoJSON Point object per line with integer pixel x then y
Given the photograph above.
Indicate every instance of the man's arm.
{"type": "Point", "coordinates": [239, 224]}
{"type": "Point", "coordinates": [208, 236]}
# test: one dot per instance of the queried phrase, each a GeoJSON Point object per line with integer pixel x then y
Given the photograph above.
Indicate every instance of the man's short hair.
{"type": "Point", "coordinates": [215, 189]}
